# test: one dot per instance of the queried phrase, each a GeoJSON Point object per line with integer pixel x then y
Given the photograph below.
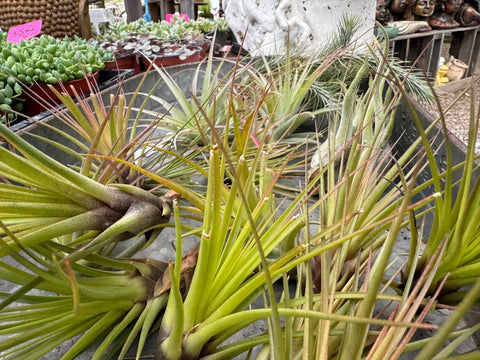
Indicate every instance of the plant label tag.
{"type": "Point", "coordinates": [169, 17]}
{"type": "Point", "coordinates": [24, 31]}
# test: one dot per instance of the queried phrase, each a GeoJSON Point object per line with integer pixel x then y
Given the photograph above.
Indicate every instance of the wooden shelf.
{"type": "Point", "coordinates": [424, 49]}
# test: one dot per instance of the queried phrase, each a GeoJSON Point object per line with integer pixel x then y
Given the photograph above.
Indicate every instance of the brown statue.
{"type": "Point", "coordinates": [397, 8]}
{"type": "Point", "coordinates": [444, 17]}
{"type": "Point", "coordinates": [409, 16]}
{"type": "Point", "coordinates": [419, 10]}
{"type": "Point", "coordinates": [382, 14]}
{"type": "Point", "coordinates": [468, 16]}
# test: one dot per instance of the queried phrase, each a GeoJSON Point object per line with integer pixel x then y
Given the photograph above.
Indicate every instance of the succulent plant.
{"type": "Point", "coordinates": [154, 39]}
{"type": "Point", "coordinates": [208, 25]}
{"type": "Point", "coordinates": [44, 59]}
{"type": "Point", "coordinates": [178, 29]}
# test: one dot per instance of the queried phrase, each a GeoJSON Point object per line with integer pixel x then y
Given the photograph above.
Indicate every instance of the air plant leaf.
{"type": "Point", "coordinates": [73, 202]}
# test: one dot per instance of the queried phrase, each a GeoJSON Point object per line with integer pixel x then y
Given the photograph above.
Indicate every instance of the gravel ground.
{"type": "Point", "coordinates": [458, 116]}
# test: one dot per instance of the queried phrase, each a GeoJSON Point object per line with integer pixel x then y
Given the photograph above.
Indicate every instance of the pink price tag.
{"type": "Point", "coordinates": [24, 31]}
{"type": "Point", "coordinates": [169, 17]}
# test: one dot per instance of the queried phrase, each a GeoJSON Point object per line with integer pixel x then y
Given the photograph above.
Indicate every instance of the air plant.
{"type": "Point", "coordinates": [358, 287]}
{"type": "Point", "coordinates": [286, 88]}
{"type": "Point", "coordinates": [37, 185]}
{"type": "Point", "coordinates": [213, 308]}
{"type": "Point", "coordinates": [69, 222]}
{"type": "Point", "coordinates": [455, 212]}
{"type": "Point", "coordinates": [119, 125]}
{"type": "Point", "coordinates": [225, 280]}
{"type": "Point", "coordinates": [184, 119]}
{"type": "Point", "coordinates": [65, 224]}
{"type": "Point", "coordinates": [105, 298]}
{"type": "Point", "coordinates": [353, 176]}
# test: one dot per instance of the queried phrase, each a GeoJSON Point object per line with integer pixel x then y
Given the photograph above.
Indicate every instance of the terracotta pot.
{"type": "Point", "coordinates": [124, 62]}
{"type": "Point", "coordinates": [170, 60]}
{"type": "Point", "coordinates": [456, 69]}
{"type": "Point", "coordinates": [39, 97]}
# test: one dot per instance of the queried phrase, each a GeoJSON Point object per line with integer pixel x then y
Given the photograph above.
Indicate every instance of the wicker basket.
{"type": "Point", "coordinates": [59, 17]}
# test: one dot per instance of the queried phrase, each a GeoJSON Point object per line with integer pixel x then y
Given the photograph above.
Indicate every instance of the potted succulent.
{"type": "Point", "coordinates": [164, 53]}
{"type": "Point", "coordinates": [168, 43]}
{"type": "Point", "coordinates": [133, 48]}
{"type": "Point", "coordinates": [10, 90]}
{"type": "Point", "coordinates": [124, 55]}
{"type": "Point", "coordinates": [41, 61]}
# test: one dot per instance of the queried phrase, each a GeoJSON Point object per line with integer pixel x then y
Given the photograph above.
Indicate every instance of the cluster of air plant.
{"type": "Point", "coordinates": [71, 235]}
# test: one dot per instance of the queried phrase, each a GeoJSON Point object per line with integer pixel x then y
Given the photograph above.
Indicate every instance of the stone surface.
{"type": "Point", "coordinates": [269, 25]}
